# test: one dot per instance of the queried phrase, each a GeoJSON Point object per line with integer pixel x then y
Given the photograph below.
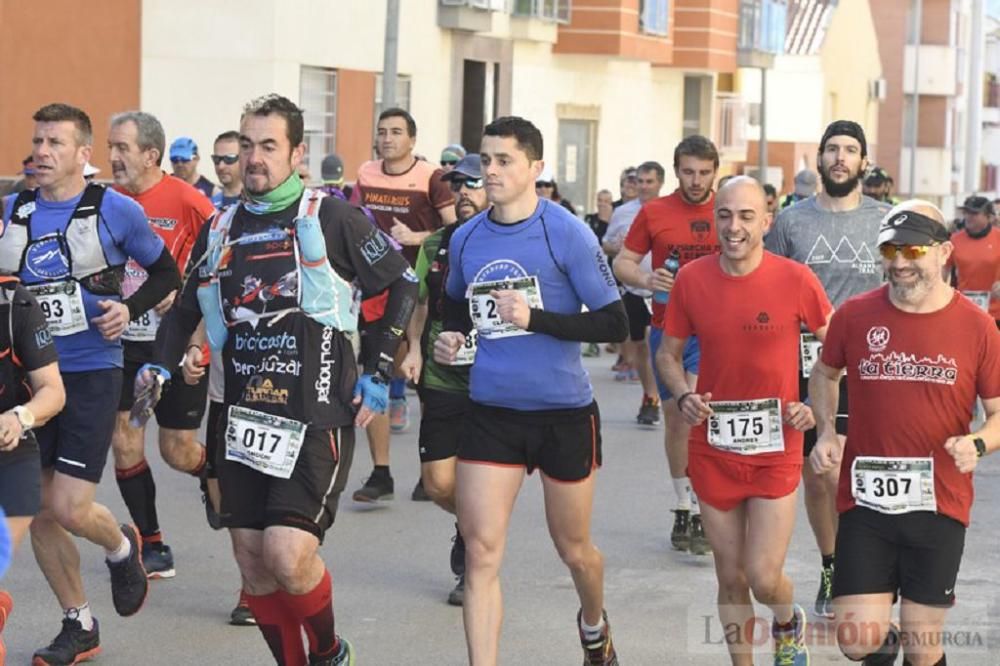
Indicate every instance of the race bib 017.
{"type": "Point", "coordinates": [264, 442]}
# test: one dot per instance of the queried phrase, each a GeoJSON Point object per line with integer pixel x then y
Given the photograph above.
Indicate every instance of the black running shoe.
{"type": "Point", "coordinates": [457, 596]}
{"type": "Point", "coordinates": [824, 597]}
{"type": "Point", "coordinates": [419, 494]}
{"type": "Point", "coordinates": [599, 651]}
{"type": "Point", "coordinates": [457, 553]}
{"type": "Point", "coordinates": [699, 542]}
{"type": "Point", "coordinates": [344, 656]}
{"type": "Point", "coordinates": [129, 584]}
{"type": "Point", "coordinates": [375, 488]}
{"type": "Point", "coordinates": [158, 560]}
{"type": "Point", "coordinates": [71, 646]}
{"type": "Point", "coordinates": [242, 616]}
{"type": "Point", "coordinates": [649, 412]}
{"type": "Point", "coordinates": [680, 536]}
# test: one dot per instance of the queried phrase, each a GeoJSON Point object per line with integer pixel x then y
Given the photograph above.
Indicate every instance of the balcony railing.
{"type": "Point", "coordinates": [547, 10]}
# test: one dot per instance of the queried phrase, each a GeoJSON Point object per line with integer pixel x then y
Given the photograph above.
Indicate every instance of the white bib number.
{"type": "Point", "coordinates": [747, 427]}
{"type": "Point", "coordinates": [144, 328]}
{"type": "Point", "coordinates": [264, 442]}
{"type": "Point", "coordinates": [483, 308]}
{"type": "Point", "coordinates": [893, 485]}
{"type": "Point", "coordinates": [809, 350]}
{"type": "Point", "coordinates": [467, 352]}
{"type": "Point", "coordinates": [980, 298]}
{"type": "Point", "coordinates": [62, 305]}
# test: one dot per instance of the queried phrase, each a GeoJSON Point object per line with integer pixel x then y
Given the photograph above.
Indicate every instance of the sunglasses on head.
{"type": "Point", "coordinates": [182, 160]}
{"type": "Point", "coordinates": [446, 163]}
{"type": "Point", "coordinates": [910, 252]}
{"type": "Point", "coordinates": [226, 159]}
{"type": "Point", "coordinates": [472, 183]}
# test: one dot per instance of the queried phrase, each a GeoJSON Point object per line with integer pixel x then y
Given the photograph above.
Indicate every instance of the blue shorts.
{"type": "Point", "coordinates": [691, 358]}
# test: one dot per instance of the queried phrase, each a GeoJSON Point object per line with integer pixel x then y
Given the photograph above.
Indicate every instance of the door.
{"type": "Point", "coordinates": [576, 162]}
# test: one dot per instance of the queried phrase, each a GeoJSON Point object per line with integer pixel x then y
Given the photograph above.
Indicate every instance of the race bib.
{"type": "Point", "coordinates": [483, 309]}
{"type": "Point", "coordinates": [980, 298]}
{"type": "Point", "coordinates": [62, 305]}
{"type": "Point", "coordinates": [467, 352]}
{"type": "Point", "coordinates": [746, 427]}
{"type": "Point", "coordinates": [144, 328]}
{"type": "Point", "coordinates": [809, 349]}
{"type": "Point", "coordinates": [893, 485]}
{"type": "Point", "coordinates": [264, 442]}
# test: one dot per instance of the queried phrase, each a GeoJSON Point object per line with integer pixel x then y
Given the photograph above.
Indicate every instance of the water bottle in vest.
{"type": "Point", "coordinates": [672, 265]}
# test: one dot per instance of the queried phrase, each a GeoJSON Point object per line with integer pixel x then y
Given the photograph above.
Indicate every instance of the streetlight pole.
{"type": "Point", "coordinates": [391, 53]}
{"type": "Point", "coordinates": [918, 22]}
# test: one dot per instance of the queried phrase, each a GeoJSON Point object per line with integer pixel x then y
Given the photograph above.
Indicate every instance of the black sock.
{"type": "Point", "coordinates": [887, 653]}
{"type": "Point", "coordinates": [827, 561]}
{"type": "Point", "coordinates": [381, 472]}
{"type": "Point", "coordinates": [139, 493]}
{"type": "Point", "coordinates": [943, 661]}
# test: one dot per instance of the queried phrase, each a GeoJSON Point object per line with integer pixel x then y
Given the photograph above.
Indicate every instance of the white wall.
{"type": "Point", "coordinates": [795, 99]}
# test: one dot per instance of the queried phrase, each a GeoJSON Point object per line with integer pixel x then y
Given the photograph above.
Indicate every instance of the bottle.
{"type": "Point", "coordinates": [672, 264]}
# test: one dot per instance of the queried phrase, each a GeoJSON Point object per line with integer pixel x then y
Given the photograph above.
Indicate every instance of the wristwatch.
{"type": "Point", "coordinates": [980, 447]}
{"type": "Point", "coordinates": [24, 417]}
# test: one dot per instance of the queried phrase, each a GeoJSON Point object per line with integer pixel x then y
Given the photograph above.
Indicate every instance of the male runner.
{"type": "Point", "coordinates": [833, 233]}
{"type": "Point", "coordinates": [226, 160]}
{"type": "Point", "coordinates": [975, 259]}
{"type": "Point", "coordinates": [176, 212]}
{"type": "Point", "coordinates": [69, 242]}
{"type": "Point", "coordinates": [917, 355]}
{"type": "Point", "coordinates": [444, 389]}
{"type": "Point", "coordinates": [679, 224]}
{"type": "Point", "coordinates": [526, 268]}
{"type": "Point", "coordinates": [184, 161]}
{"type": "Point", "coordinates": [272, 281]}
{"type": "Point", "coordinates": [746, 306]}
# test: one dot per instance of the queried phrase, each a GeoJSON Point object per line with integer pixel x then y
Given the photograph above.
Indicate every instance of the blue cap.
{"type": "Point", "coordinates": [468, 166]}
{"type": "Point", "coordinates": [183, 148]}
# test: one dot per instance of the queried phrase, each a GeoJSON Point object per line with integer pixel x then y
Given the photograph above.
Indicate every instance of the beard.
{"type": "Point", "coordinates": [835, 189]}
{"type": "Point", "coordinates": [910, 292]}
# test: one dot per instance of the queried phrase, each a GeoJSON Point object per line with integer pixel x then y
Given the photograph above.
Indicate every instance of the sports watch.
{"type": "Point", "coordinates": [980, 447]}
{"type": "Point", "coordinates": [24, 417]}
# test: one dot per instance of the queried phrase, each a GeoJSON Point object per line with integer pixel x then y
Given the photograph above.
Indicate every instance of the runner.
{"type": "Point", "coordinates": [444, 389]}
{"type": "Point", "coordinates": [975, 259]}
{"type": "Point", "coordinates": [906, 491]}
{"type": "Point", "coordinates": [527, 267]}
{"type": "Point", "coordinates": [176, 212]}
{"type": "Point", "coordinates": [32, 393]}
{"type": "Point", "coordinates": [273, 286]}
{"type": "Point", "coordinates": [69, 242]}
{"type": "Point", "coordinates": [184, 161]}
{"type": "Point", "coordinates": [834, 234]}
{"type": "Point", "coordinates": [746, 444]}
{"type": "Point", "coordinates": [226, 159]}
{"type": "Point", "coordinates": [679, 225]}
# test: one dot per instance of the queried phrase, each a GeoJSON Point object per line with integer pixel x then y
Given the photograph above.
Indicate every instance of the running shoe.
{"type": "Point", "coordinates": [457, 596]}
{"type": "Point", "coordinates": [457, 553]}
{"type": "Point", "coordinates": [158, 560]}
{"type": "Point", "coordinates": [619, 365]}
{"type": "Point", "coordinates": [622, 375]}
{"type": "Point", "coordinates": [790, 645]}
{"type": "Point", "coordinates": [824, 598]}
{"type": "Point", "coordinates": [633, 375]}
{"type": "Point", "coordinates": [242, 616]}
{"type": "Point", "coordinates": [344, 656]}
{"type": "Point", "coordinates": [680, 536]}
{"type": "Point", "coordinates": [71, 646]}
{"type": "Point", "coordinates": [419, 494]}
{"type": "Point", "coordinates": [649, 412]}
{"type": "Point", "coordinates": [699, 542]}
{"type": "Point", "coordinates": [399, 414]}
{"type": "Point", "coordinates": [129, 584]}
{"type": "Point", "coordinates": [598, 651]}
{"type": "Point", "coordinates": [375, 488]}
{"type": "Point", "coordinates": [6, 606]}
{"type": "Point", "coordinates": [591, 350]}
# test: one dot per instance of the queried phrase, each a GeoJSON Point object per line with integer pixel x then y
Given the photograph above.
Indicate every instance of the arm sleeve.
{"type": "Point", "coordinates": [638, 239]}
{"type": "Point", "coordinates": [163, 278]}
{"type": "Point", "coordinates": [32, 341]}
{"type": "Point", "coordinates": [588, 269]}
{"type": "Point", "coordinates": [608, 324]}
{"type": "Point", "coordinates": [182, 319]}
{"type": "Point", "coordinates": [776, 240]}
{"type": "Point", "coordinates": [676, 322]}
{"type": "Point", "coordinates": [439, 192]}
{"type": "Point", "coordinates": [834, 352]}
{"type": "Point", "coordinates": [814, 306]}
{"type": "Point", "coordinates": [392, 326]}
{"type": "Point", "coordinates": [358, 250]}
{"type": "Point", "coordinates": [421, 269]}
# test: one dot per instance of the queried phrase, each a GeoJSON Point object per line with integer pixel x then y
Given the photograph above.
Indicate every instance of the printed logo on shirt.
{"type": "Point", "coordinates": [859, 258]}
{"type": "Point", "coordinates": [163, 222]}
{"type": "Point", "coordinates": [43, 338]}
{"type": "Point", "coordinates": [374, 248]}
{"type": "Point", "coordinates": [762, 324]}
{"type": "Point", "coordinates": [701, 229]}
{"type": "Point", "coordinates": [45, 259]}
{"type": "Point", "coordinates": [878, 338]}
{"type": "Point", "coordinates": [253, 342]}
{"type": "Point", "coordinates": [908, 368]}
{"type": "Point", "coordinates": [262, 390]}
{"type": "Point", "coordinates": [602, 265]}
{"type": "Point", "coordinates": [500, 269]}
{"type": "Point", "coordinates": [25, 211]}
{"type": "Point", "coordinates": [325, 379]}
{"type": "Point", "coordinates": [272, 364]}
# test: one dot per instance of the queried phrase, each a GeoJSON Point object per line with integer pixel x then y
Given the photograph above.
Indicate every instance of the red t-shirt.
{"type": "Point", "coordinates": [977, 262]}
{"type": "Point", "coordinates": [670, 223]}
{"type": "Point", "coordinates": [748, 328]}
{"type": "Point", "coordinates": [913, 381]}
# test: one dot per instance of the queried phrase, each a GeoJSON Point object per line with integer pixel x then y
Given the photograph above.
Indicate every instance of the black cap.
{"type": "Point", "coordinates": [977, 204]}
{"type": "Point", "coordinates": [876, 176]}
{"type": "Point", "coordinates": [467, 167]}
{"type": "Point", "coordinates": [845, 128]}
{"type": "Point", "coordinates": [332, 169]}
{"type": "Point", "coordinates": [911, 228]}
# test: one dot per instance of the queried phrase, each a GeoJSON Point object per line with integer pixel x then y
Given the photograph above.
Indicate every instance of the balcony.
{"type": "Point", "coordinates": [937, 70]}
{"type": "Point", "coordinates": [762, 32]}
{"type": "Point", "coordinates": [468, 15]}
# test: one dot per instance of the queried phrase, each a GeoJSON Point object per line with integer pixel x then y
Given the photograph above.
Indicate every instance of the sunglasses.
{"type": "Point", "coordinates": [446, 163]}
{"type": "Point", "coordinates": [226, 159]}
{"type": "Point", "coordinates": [471, 183]}
{"type": "Point", "coordinates": [910, 252]}
{"type": "Point", "coordinates": [544, 184]}
{"type": "Point", "coordinates": [181, 160]}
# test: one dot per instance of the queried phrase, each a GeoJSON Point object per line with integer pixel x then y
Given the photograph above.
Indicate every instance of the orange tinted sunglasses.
{"type": "Point", "coordinates": [910, 252]}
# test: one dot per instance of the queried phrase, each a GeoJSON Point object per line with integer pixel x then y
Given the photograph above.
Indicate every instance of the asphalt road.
{"type": "Point", "coordinates": [391, 574]}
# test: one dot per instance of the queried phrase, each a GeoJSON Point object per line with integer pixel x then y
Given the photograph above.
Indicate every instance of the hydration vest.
{"type": "Point", "coordinates": [13, 378]}
{"type": "Point", "coordinates": [322, 295]}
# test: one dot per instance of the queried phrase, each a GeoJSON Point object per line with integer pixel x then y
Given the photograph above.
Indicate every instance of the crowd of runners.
{"type": "Point", "coordinates": [291, 314]}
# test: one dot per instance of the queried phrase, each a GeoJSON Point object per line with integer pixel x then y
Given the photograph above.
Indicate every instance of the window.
{"type": "Point", "coordinates": [654, 16]}
{"type": "Point", "coordinates": [318, 99]}
{"type": "Point", "coordinates": [762, 25]}
{"type": "Point", "coordinates": [549, 10]}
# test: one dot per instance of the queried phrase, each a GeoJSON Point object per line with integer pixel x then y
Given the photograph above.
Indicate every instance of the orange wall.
{"type": "Point", "coordinates": [355, 119]}
{"type": "Point", "coordinates": [786, 155]}
{"type": "Point", "coordinates": [705, 34]}
{"type": "Point", "coordinates": [82, 53]}
{"type": "Point", "coordinates": [611, 27]}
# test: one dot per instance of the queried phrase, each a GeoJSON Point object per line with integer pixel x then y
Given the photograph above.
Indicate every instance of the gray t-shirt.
{"type": "Point", "coordinates": [840, 247]}
{"type": "Point", "coordinates": [618, 227]}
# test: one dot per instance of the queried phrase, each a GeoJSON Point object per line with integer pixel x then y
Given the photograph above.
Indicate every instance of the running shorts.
{"type": "Point", "coordinates": [724, 483]}
{"type": "Point", "coordinates": [441, 423]}
{"type": "Point", "coordinates": [691, 358]}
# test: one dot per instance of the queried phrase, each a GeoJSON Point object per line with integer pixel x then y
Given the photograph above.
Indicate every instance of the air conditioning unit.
{"type": "Point", "coordinates": [877, 89]}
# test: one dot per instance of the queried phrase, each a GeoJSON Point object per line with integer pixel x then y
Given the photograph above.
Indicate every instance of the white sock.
{"type": "Point", "coordinates": [682, 488]}
{"type": "Point", "coordinates": [81, 613]}
{"type": "Point", "coordinates": [589, 632]}
{"type": "Point", "coordinates": [120, 553]}
{"type": "Point", "coordinates": [695, 506]}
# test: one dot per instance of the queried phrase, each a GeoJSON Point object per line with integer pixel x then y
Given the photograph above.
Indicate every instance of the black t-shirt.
{"type": "Point", "coordinates": [597, 225]}
{"type": "Point", "coordinates": [24, 334]}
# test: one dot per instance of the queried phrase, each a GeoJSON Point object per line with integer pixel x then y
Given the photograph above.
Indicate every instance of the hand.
{"type": "Point", "coordinates": [148, 388]}
{"type": "Point", "coordinates": [114, 321]}
{"type": "Point", "coordinates": [660, 280]}
{"type": "Point", "coordinates": [695, 409]}
{"type": "Point", "coordinates": [963, 450]}
{"type": "Point", "coordinates": [10, 431]}
{"type": "Point", "coordinates": [371, 396]}
{"type": "Point", "coordinates": [512, 307]}
{"type": "Point", "coordinates": [193, 368]}
{"type": "Point", "coordinates": [826, 454]}
{"type": "Point", "coordinates": [402, 234]}
{"type": "Point", "coordinates": [800, 416]}
{"type": "Point", "coordinates": [411, 364]}
{"type": "Point", "coordinates": [164, 305]}
{"type": "Point", "coordinates": [447, 345]}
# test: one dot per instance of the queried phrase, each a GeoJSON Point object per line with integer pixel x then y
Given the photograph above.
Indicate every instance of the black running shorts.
{"type": "Point", "coordinates": [182, 405]}
{"type": "Point", "coordinates": [441, 423]}
{"type": "Point", "coordinates": [564, 443]}
{"type": "Point", "coordinates": [915, 554]}
{"type": "Point", "coordinates": [809, 436]}
{"type": "Point", "coordinates": [212, 435]}
{"type": "Point", "coordinates": [77, 440]}
{"type": "Point", "coordinates": [639, 316]}
{"type": "Point", "coordinates": [21, 482]}
{"type": "Point", "coordinates": [307, 501]}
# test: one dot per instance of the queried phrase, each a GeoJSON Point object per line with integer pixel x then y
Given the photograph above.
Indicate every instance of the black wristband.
{"type": "Point", "coordinates": [680, 399]}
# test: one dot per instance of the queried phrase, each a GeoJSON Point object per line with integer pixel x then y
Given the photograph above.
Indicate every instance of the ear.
{"type": "Point", "coordinates": [536, 169]}
{"type": "Point", "coordinates": [298, 153]}
{"type": "Point", "coordinates": [86, 152]}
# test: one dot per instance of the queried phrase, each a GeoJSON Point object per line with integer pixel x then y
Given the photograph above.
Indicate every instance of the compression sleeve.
{"type": "Point", "coordinates": [163, 278]}
{"type": "Point", "coordinates": [177, 326]}
{"type": "Point", "coordinates": [608, 324]}
{"type": "Point", "coordinates": [399, 307]}
{"type": "Point", "coordinates": [456, 314]}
